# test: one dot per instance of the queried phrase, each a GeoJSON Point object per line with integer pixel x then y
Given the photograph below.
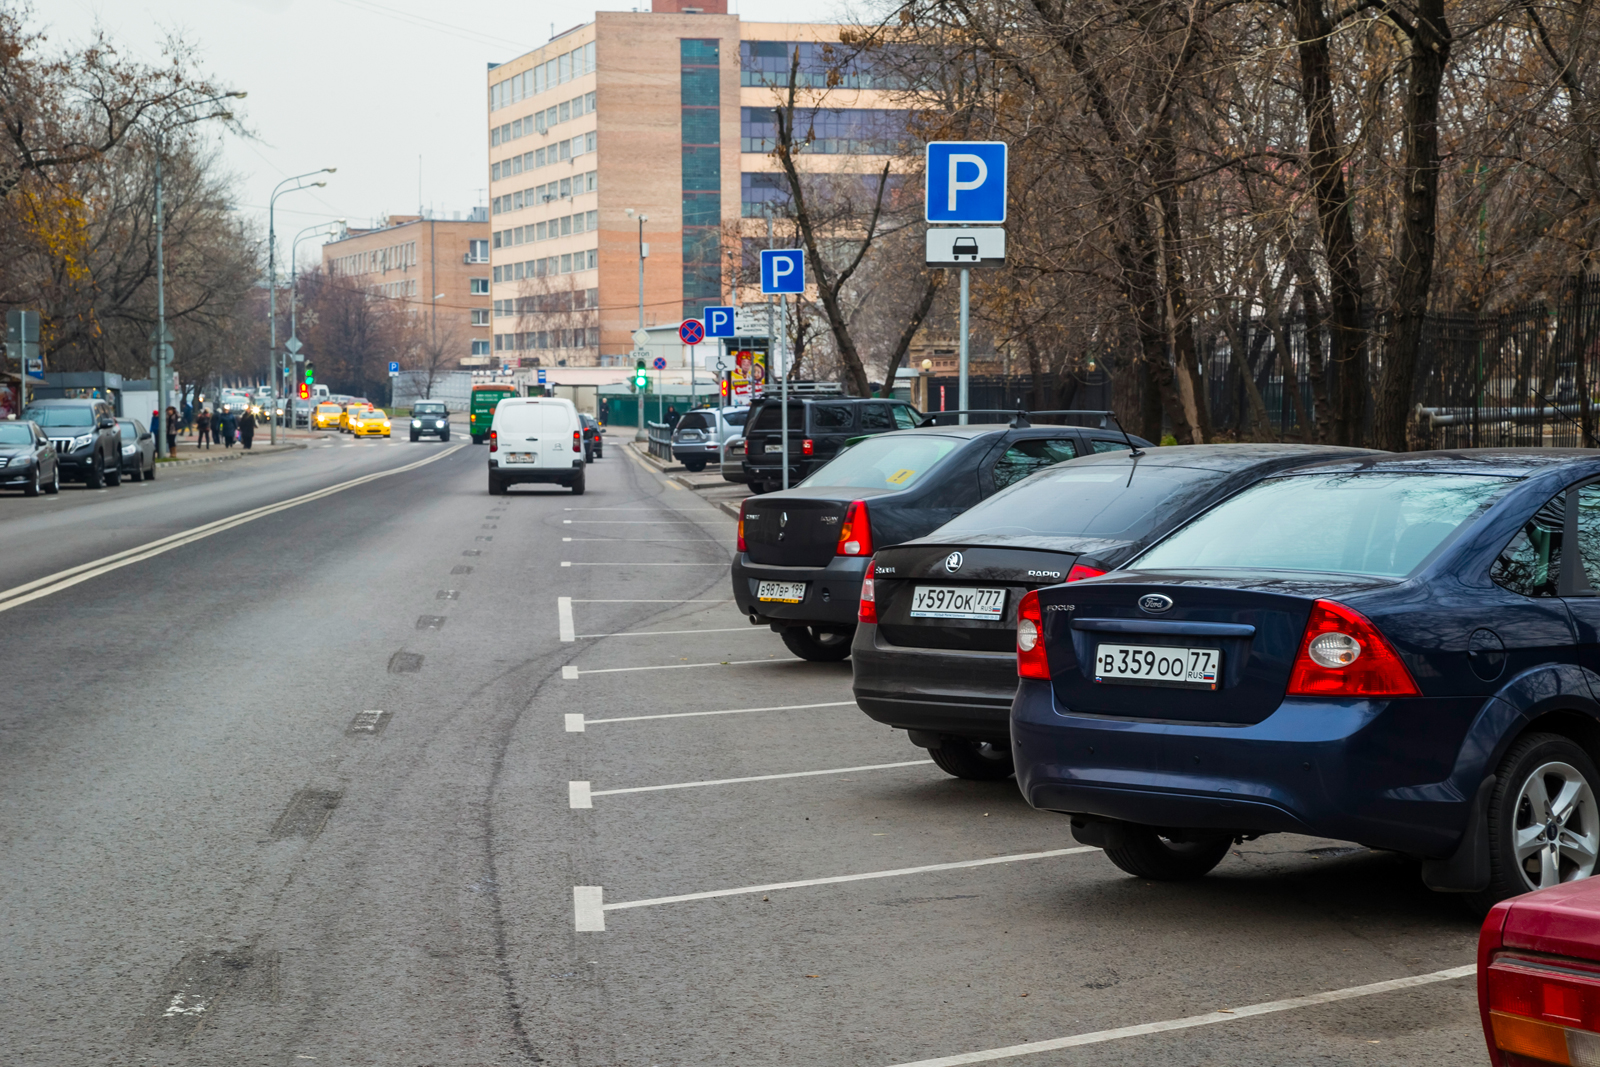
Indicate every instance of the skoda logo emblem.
{"type": "Point", "coordinates": [952, 562]}
{"type": "Point", "coordinates": [1155, 603]}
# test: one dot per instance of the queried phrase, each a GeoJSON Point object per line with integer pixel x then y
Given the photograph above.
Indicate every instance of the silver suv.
{"type": "Point", "coordinates": [698, 437]}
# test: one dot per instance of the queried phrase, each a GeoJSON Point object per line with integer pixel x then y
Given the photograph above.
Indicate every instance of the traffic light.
{"type": "Point", "coordinates": [641, 377]}
{"type": "Point", "coordinates": [305, 391]}
{"type": "Point", "coordinates": [311, 377]}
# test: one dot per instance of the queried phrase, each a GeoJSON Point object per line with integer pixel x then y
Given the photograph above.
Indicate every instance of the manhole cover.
{"type": "Point", "coordinates": [405, 663]}
{"type": "Point", "coordinates": [368, 723]}
{"type": "Point", "coordinates": [461, 568]}
{"type": "Point", "coordinates": [307, 813]}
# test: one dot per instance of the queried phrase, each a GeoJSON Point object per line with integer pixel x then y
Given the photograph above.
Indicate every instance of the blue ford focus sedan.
{"type": "Point", "coordinates": [1399, 650]}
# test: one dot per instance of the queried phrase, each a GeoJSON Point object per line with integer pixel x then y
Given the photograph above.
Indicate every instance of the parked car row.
{"type": "Point", "coordinates": [1185, 647]}
{"type": "Point", "coordinates": [76, 440]}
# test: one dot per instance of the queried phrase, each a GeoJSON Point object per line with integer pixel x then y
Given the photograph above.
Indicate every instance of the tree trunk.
{"type": "Point", "coordinates": [930, 289]}
{"type": "Point", "coordinates": [1425, 67]}
{"type": "Point", "coordinates": [1183, 350]}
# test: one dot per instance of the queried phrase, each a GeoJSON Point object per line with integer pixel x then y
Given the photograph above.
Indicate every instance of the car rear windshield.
{"type": "Point", "coordinates": [64, 416]}
{"type": "Point", "coordinates": [1370, 523]}
{"type": "Point", "coordinates": [1115, 500]}
{"type": "Point", "coordinates": [890, 461]}
{"type": "Point", "coordinates": [770, 417]}
{"type": "Point", "coordinates": [128, 432]}
{"type": "Point", "coordinates": [13, 433]}
{"type": "Point", "coordinates": [693, 421]}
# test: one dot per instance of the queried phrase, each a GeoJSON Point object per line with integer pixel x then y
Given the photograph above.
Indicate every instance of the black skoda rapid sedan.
{"type": "Point", "coordinates": [935, 651]}
{"type": "Point", "coordinates": [1402, 651]}
{"type": "Point", "coordinates": [803, 552]}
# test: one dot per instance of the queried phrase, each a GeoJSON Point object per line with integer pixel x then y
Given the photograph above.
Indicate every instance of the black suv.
{"type": "Point", "coordinates": [86, 438]}
{"type": "Point", "coordinates": [817, 430]}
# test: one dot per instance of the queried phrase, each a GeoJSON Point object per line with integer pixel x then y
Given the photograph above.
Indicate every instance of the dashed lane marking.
{"type": "Point", "coordinates": [589, 905]}
{"type": "Point", "coordinates": [580, 792]}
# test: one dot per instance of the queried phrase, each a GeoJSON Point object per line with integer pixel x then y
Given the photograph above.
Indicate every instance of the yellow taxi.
{"type": "Point", "coordinates": [326, 417]}
{"type": "Point", "coordinates": [352, 409]}
{"type": "Point", "coordinates": [369, 422]}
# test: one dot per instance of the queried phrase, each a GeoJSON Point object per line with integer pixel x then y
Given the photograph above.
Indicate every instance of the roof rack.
{"type": "Point", "coordinates": [1020, 417]}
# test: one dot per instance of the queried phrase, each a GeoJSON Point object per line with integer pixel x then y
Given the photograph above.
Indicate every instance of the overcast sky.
{"type": "Point", "coordinates": [388, 91]}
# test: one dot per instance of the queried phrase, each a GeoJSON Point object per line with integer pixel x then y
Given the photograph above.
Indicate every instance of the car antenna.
{"type": "Point", "coordinates": [1133, 450]}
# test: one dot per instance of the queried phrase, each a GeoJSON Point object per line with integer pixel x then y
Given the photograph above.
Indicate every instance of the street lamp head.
{"type": "Point", "coordinates": [237, 95]}
{"type": "Point", "coordinates": [319, 184]}
{"type": "Point", "coordinates": [629, 212]}
{"type": "Point", "coordinates": [330, 170]}
{"type": "Point", "coordinates": [438, 296]}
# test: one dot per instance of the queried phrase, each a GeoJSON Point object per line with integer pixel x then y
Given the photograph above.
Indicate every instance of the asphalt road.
{"type": "Point", "coordinates": [306, 784]}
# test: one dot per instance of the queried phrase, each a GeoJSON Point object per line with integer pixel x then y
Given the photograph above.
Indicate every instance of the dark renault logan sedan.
{"type": "Point", "coordinates": [1401, 652]}
{"type": "Point", "coordinates": [935, 653]}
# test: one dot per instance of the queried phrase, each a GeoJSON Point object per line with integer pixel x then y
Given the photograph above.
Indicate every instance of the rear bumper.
{"type": "Point", "coordinates": [832, 598]}
{"type": "Point", "coordinates": [1382, 773]}
{"type": "Point", "coordinates": [558, 475]}
{"type": "Point", "coordinates": [938, 690]}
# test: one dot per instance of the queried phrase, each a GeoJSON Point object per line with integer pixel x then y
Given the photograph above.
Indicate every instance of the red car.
{"type": "Point", "coordinates": [1539, 977]}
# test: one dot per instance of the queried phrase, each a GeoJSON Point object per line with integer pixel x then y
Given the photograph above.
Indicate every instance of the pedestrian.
{"type": "Point", "coordinates": [188, 416]}
{"type": "Point", "coordinates": [202, 425]}
{"type": "Point", "coordinates": [672, 417]}
{"type": "Point", "coordinates": [172, 430]}
{"type": "Point", "coordinates": [155, 424]}
{"type": "Point", "coordinates": [247, 429]}
{"type": "Point", "coordinates": [228, 427]}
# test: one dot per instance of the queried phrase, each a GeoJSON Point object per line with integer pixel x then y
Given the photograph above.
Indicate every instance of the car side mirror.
{"type": "Point", "coordinates": [106, 423]}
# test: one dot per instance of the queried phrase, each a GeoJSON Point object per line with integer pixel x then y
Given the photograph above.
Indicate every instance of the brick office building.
{"type": "Point", "coordinates": [665, 112]}
{"type": "Point", "coordinates": [438, 268]}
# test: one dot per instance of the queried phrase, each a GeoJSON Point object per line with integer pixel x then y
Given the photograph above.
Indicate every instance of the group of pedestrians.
{"type": "Point", "coordinates": [225, 428]}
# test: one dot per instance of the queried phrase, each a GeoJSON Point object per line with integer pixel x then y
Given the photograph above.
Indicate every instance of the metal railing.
{"type": "Point", "coordinates": [660, 439]}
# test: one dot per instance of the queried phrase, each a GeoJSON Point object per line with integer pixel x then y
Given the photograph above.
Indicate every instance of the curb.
{"type": "Point", "coordinates": [654, 460]}
{"type": "Point", "coordinates": [276, 449]}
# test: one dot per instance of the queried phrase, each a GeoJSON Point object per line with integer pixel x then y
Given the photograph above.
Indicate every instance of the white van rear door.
{"type": "Point", "coordinates": [555, 435]}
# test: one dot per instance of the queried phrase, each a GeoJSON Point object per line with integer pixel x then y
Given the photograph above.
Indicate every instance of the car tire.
{"type": "Point", "coordinates": [138, 472]}
{"type": "Point", "coordinates": [1144, 852]}
{"type": "Point", "coordinates": [150, 475]}
{"type": "Point", "coordinates": [477, 440]}
{"type": "Point", "coordinates": [415, 438]}
{"type": "Point", "coordinates": [1557, 763]}
{"type": "Point", "coordinates": [496, 486]}
{"type": "Point", "coordinates": [96, 478]}
{"type": "Point", "coordinates": [444, 437]}
{"type": "Point", "coordinates": [114, 475]}
{"type": "Point", "coordinates": [824, 647]}
{"type": "Point", "coordinates": [588, 457]}
{"type": "Point", "coordinates": [577, 485]}
{"type": "Point", "coordinates": [53, 486]}
{"type": "Point", "coordinates": [979, 761]}
{"type": "Point", "coordinates": [35, 487]}
{"type": "Point", "coordinates": [694, 466]}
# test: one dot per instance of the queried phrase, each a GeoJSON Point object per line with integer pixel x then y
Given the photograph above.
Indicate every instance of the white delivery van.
{"type": "Point", "coordinates": [535, 439]}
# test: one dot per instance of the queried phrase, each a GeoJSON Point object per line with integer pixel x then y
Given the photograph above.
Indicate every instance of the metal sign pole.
{"type": "Point", "coordinates": [783, 387]}
{"type": "Point", "coordinates": [961, 388]}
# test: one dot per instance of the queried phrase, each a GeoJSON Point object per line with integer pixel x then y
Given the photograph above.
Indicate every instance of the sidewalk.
{"type": "Point", "coordinates": [188, 454]}
{"type": "Point", "coordinates": [708, 483]}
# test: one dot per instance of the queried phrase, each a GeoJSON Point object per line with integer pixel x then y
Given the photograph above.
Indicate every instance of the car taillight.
{"type": "Point", "coordinates": [577, 440]}
{"type": "Point", "coordinates": [747, 446]}
{"type": "Point", "coordinates": [1546, 1015]}
{"type": "Point", "coordinates": [1031, 661]}
{"type": "Point", "coordinates": [1342, 654]}
{"type": "Point", "coordinates": [494, 440]}
{"type": "Point", "coordinates": [1081, 571]}
{"type": "Point", "coordinates": [807, 446]}
{"type": "Point", "coordinates": [741, 526]}
{"type": "Point", "coordinates": [868, 612]}
{"type": "Point", "coordinates": [855, 533]}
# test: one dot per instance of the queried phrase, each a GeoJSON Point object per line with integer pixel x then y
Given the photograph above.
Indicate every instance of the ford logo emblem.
{"type": "Point", "coordinates": [1155, 603]}
{"type": "Point", "coordinates": [952, 562]}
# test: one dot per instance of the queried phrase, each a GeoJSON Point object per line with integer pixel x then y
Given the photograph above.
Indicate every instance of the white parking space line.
{"type": "Point", "coordinates": [630, 522]}
{"type": "Point", "coordinates": [746, 628]}
{"type": "Point", "coordinates": [592, 909]}
{"type": "Point", "coordinates": [713, 600]}
{"type": "Point", "coordinates": [647, 540]}
{"type": "Point", "coordinates": [585, 792]}
{"type": "Point", "coordinates": [630, 563]}
{"type": "Point", "coordinates": [664, 667]}
{"type": "Point", "coordinates": [582, 722]}
{"type": "Point", "coordinates": [564, 617]}
{"type": "Point", "coordinates": [1210, 1018]}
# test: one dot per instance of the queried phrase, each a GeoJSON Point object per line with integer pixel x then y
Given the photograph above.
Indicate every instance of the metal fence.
{"type": "Point", "coordinates": [660, 439]}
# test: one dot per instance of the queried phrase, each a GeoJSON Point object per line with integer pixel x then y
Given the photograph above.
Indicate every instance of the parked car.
{"type": "Point", "coordinates": [535, 439]}
{"type": "Point", "coordinates": [818, 429]}
{"type": "Point", "coordinates": [28, 459]}
{"type": "Point", "coordinates": [802, 553]}
{"type": "Point", "coordinates": [698, 437]}
{"type": "Point", "coordinates": [1539, 977]}
{"type": "Point", "coordinates": [731, 461]}
{"type": "Point", "coordinates": [1394, 651]}
{"type": "Point", "coordinates": [593, 438]}
{"type": "Point", "coordinates": [84, 433]}
{"type": "Point", "coordinates": [138, 450]}
{"type": "Point", "coordinates": [935, 650]}
{"type": "Point", "coordinates": [430, 417]}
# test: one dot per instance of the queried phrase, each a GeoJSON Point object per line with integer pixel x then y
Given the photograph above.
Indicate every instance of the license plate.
{"type": "Point", "coordinates": [782, 592]}
{"type": "Point", "coordinates": [1183, 668]}
{"type": "Point", "coordinates": [950, 602]}
{"type": "Point", "coordinates": [774, 449]}
{"type": "Point", "coordinates": [519, 457]}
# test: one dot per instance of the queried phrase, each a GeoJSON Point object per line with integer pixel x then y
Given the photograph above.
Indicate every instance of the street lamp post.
{"type": "Point", "coordinates": [330, 229]}
{"type": "Point", "coordinates": [274, 370]}
{"type": "Point", "coordinates": [161, 257]}
{"type": "Point", "coordinates": [643, 252]}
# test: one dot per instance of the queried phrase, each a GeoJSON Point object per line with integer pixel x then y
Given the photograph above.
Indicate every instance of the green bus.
{"type": "Point", "coordinates": [481, 413]}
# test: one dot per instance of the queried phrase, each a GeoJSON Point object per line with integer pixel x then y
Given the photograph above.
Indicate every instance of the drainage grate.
{"type": "Point", "coordinates": [482, 537]}
{"type": "Point", "coordinates": [473, 552]}
{"type": "Point", "coordinates": [461, 568]}
{"type": "Point", "coordinates": [405, 663]}
{"type": "Point", "coordinates": [368, 723]}
{"type": "Point", "coordinates": [447, 594]}
{"type": "Point", "coordinates": [201, 983]}
{"type": "Point", "coordinates": [430, 622]}
{"type": "Point", "coordinates": [307, 813]}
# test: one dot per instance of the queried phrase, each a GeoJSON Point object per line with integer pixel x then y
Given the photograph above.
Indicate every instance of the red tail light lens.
{"type": "Point", "coordinates": [494, 440]}
{"type": "Point", "coordinates": [741, 547]}
{"type": "Point", "coordinates": [1343, 655]}
{"type": "Point", "coordinates": [1031, 661]}
{"type": "Point", "coordinates": [1079, 572]}
{"type": "Point", "coordinates": [577, 440]}
{"type": "Point", "coordinates": [747, 446]}
{"type": "Point", "coordinates": [855, 533]}
{"type": "Point", "coordinates": [806, 446]}
{"type": "Point", "coordinates": [868, 611]}
{"type": "Point", "coordinates": [1542, 1014]}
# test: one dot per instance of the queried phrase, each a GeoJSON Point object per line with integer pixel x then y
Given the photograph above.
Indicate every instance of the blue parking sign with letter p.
{"type": "Point", "coordinates": [783, 270]}
{"type": "Point", "coordinates": [719, 321]}
{"type": "Point", "coordinates": [966, 181]}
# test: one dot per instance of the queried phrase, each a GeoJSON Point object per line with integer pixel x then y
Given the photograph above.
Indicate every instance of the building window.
{"type": "Point", "coordinates": [516, 164]}
{"type": "Point", "coordinates": [767, 64]}
{"type": "Point", "coordinates": [480, 348]}
{"type": "Point", "coordinates": [566, 264]}
{"type": "Point", "coordinates": [700, 99]}
{"type": "Point", "coordinates": [477, 251]}
{"type": "Point", "coordinates": [594, 263]}
{"type": "Point", "coordinates": [831, 131]}
{"type": "Point", "coordinates": [480, 316]}
{"type": "Point", "coordinates": [479, 286]}
{"type": "Point", "coordinates": [494, 137]}
{"type": "Point", "coordinates": [494, 172]}
{"type": "Point", "coordinates": [588, 102]}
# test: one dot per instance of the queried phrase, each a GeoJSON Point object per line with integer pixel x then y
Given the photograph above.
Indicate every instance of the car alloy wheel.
{"type": "Point", "coordinates": [55, 480]}
{"type": "Point", "coordinates": [33, 488]}
{"type": "Point", "coordinates": [1556, 836]}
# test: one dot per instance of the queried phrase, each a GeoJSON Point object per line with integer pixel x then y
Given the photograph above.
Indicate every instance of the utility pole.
{"type": "Point", "coordinates": [644, 250]}
{"type": "Point", "coordinates": [276, 371]}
